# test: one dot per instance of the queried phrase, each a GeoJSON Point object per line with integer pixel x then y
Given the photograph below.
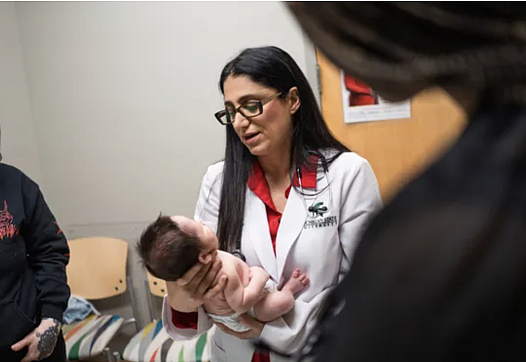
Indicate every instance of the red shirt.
{"type": "Point", "coordinates": [259, 186]}
{"type": "Point", "coordinates": [361, 94]}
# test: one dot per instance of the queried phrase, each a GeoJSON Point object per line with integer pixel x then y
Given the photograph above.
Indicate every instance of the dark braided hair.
{"type": "Point", "coordinates": [415, 45]}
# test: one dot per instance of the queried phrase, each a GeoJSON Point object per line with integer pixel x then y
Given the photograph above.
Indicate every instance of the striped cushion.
{"type": "Point", "coordinates": [153, 344]}
{"type": "Point", "coordinates": [90, 336]}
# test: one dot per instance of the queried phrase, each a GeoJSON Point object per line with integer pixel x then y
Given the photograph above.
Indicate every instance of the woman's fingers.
{"type": "Point", "coordinates": [211, 293]}
{"type": "Point", "coordinates": [256, 327]}
{"type": "Point", "coordinates": [197, 270]}
{"type": "Point", "coordinates": [209, 278]}
{"type": "Point", "coordinates": [250, 334]}
{"type": "Point", "coordinates": [188, 291]}
{"type": "Point", "coordinates": [190, 275]}
{"type": "Point", "coordinates": [197, 279]}
{"type": "Point", "coordinates": [252, 322]}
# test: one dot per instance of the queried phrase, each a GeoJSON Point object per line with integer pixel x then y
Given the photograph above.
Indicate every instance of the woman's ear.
{"type": "Point", "coordinates": [294, 100]}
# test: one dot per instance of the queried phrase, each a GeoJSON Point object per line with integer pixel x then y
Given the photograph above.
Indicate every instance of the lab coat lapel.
{"type": "Point", "coordinates": [290, 227]}
{"type": "Point", "coordinates": [259, 234]}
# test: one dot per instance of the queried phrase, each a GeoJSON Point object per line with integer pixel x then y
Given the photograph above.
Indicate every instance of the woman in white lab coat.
{"type": "Point", "coordinates": [288, 195]}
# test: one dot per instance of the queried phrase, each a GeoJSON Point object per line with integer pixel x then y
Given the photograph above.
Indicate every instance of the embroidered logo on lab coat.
{"type": "Point", "coordinates": [321, 222]}
{"type": "Point", "coordinates": [317, 210]}
{"type": "Point", "coordinates": [316, 217]}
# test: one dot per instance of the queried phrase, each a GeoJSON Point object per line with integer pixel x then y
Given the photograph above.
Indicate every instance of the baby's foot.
{"type": "Point", "coordinates": [296, 282]}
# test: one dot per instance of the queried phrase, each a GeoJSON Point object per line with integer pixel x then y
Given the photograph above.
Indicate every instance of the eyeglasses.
{"type": "Point", "coordinates": [248, 110]}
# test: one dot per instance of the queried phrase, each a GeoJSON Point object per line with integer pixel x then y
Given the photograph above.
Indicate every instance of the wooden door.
{"type": "Point", "coordinates": [396, 149]}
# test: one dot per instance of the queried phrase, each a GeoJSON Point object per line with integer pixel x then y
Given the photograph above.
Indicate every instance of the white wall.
{"type": "Point", "coordinates": [123, 96]}
{"type": "Point", "coordinates": [19, 146]}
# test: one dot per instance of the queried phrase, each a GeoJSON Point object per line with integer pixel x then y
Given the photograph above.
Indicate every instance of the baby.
{"type": "Point", "coordinates": [170, 246]}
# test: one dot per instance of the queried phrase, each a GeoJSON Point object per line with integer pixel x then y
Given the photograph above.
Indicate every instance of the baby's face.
{"type": "Point", "coordinates": [199, 230]}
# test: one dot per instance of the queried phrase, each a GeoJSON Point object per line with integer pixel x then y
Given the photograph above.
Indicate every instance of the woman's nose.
{"type": "Point", "coordinates": [240, 119]}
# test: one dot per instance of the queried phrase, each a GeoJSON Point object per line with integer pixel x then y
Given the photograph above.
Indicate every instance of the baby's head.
{"type": "Point", "coordinates": [170, 246]}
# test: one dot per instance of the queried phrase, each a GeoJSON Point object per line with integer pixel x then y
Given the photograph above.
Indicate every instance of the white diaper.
{"type": "Point", "coordinates": [233, 321]}
{"type": "Point", "coordinates": [271, 286]}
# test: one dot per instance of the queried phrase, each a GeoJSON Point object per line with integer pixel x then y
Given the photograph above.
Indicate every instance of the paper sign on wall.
{"type": "Point", "coordinates": [363, 104]}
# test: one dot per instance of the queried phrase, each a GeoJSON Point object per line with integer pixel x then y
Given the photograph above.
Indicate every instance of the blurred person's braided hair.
{"type": "Point", "coordinates": [421, 44]}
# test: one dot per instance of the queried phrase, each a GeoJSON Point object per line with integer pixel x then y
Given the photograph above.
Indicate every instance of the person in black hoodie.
{"type": "Point", "coordinates": [33, 287]}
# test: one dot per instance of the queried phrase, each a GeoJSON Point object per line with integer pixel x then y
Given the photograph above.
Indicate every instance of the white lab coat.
{"type": "Point", "coordinates": [323, 251]}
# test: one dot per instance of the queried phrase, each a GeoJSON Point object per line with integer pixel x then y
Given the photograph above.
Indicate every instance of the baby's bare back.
{"type": "Point", "coordinates": [232, 266]}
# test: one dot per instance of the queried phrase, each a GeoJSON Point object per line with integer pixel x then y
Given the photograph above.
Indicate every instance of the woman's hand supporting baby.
{"type": "Point", "coordinates": [190, 291]}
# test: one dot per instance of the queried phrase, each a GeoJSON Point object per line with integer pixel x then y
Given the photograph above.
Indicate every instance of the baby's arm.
{"type": "Point", "coordinates": [241, 298]}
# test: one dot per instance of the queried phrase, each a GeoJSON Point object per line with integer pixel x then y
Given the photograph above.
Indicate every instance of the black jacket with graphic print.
{"type": "Point", "coordinates": [33, 258]}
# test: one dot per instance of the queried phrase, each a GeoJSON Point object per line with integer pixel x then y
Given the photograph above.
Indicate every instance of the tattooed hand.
{"type": "Point", "coordinates": [41, 342]}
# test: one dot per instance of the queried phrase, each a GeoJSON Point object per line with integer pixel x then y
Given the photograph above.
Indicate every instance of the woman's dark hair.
{"type": "Point", "coordinates": [271, 67]}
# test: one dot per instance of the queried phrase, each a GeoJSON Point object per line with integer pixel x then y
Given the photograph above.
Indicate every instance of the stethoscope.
{"type": "Point", "coordinates": [312, 211]}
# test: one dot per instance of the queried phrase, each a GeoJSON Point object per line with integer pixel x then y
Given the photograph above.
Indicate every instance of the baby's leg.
{"type": "Point", "coordinates": [275, 304]}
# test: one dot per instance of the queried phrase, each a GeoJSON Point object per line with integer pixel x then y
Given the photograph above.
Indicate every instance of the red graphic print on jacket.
{"type": "Point", "coordinates": [7, 228]}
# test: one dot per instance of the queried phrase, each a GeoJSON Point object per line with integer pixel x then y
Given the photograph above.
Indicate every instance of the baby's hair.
{"type": "Point", "coordinates": [166, 251]}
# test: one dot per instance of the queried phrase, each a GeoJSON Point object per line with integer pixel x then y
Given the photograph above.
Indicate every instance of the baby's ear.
{"type": "Point", "coordinates": [205, 258]}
